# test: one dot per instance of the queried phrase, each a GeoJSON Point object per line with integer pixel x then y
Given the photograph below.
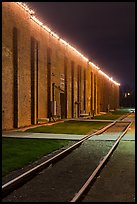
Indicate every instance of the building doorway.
{"type": "Point", "coordinates": [62, 105]}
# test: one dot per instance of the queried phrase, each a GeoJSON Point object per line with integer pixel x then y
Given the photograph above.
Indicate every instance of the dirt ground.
{"type": "Point", "coordinates": [59, 183]}
{"type": "Point", "coordinates": [116, 182]}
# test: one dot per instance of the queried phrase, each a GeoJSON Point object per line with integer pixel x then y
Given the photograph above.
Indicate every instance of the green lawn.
{"type": "Point", "coordinates": [112, 115]}
{"type": "Point", "coordinates": [108, 116]}
{"type": "Point", "coordinates": [69, 127]}
{"type": "Point", "coordinates": [18, 152]}
{"type": "Point", "coordinates": [78, 127]}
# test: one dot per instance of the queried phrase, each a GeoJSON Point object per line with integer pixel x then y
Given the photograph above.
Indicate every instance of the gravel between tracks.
{"type": "Point", "coordinates": [60, 182]}
{"type": "Point", "coordinates": [18, 172]}
{"type": "Point", "coordinates": [116, 182]}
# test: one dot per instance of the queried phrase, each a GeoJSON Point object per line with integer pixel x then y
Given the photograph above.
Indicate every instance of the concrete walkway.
{"type": "Point", "coordinates": [130, 135]}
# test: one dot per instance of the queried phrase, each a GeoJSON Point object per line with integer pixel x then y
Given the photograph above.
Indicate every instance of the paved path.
{"type": "Point", "coordinates": [130, 135]}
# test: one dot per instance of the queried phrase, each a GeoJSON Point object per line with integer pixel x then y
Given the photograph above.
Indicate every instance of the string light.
{"type": "Point", "coordinates": [110, 78]}
{"type": "Point", "coordinates": [35, 19]}
{"type": "Point", "coordinates": [26, 8]}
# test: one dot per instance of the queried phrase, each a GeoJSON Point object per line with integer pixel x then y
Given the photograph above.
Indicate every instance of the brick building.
{"type": "Point", "coordinates": [42, 75]}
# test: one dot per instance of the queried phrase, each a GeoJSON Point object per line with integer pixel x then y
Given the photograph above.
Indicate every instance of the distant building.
{"type": "Point", "coordinates": [43, 76]}
{"type": "Point", "coordinates": [127, 96]}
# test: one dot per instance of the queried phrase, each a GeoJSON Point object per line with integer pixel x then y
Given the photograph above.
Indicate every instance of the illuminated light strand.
{"type": "Point", "coordinates": [34, 18]}
{"type": "Point", "coordinates": [92, 64]}
{"type": "Point", "coordinates": [110, 78]}
{"type": "Point", "coordinates": [37, 21]}
{"type": "Point", "coordinates": [55, 35]}
{"type": "Point", "coordinates": [104, 74]}
{"type": "Point", "coordinates": [26, 8]}
{"type": "Point", "coordinates": [46, 28]}
{"type": "Point", "coordinates": [63, 41]}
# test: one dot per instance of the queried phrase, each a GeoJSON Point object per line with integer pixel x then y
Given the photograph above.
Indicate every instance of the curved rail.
{"type": "Point", "coordinates": [84, 187]}
{"type": "Point", "coordinates": [20, 180]}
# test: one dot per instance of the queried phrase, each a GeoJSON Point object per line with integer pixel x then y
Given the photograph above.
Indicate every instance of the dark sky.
{"type": "Point", "coordinates": [102, 31]}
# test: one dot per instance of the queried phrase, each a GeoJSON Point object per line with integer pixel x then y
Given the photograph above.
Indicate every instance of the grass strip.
{"type": "Point", "coordinates": [18, 152]}
{"type": "Point", "coordinates": [112, 115]}
{"type": "Point", "coordinates": [69, 127]}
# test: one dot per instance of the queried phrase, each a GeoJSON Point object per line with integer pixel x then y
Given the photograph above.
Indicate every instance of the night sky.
{"type": "Point", "coordinates": [103, 31]}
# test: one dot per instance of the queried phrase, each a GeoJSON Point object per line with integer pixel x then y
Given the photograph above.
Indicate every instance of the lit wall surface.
{"type": "Point", "coordinates": [44, 76]}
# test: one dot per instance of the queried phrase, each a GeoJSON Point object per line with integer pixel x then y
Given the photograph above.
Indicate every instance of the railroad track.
{"type": "Point", "coordinates": [98, 168]}
{"type": "Point", "coordinates": [9, 188]}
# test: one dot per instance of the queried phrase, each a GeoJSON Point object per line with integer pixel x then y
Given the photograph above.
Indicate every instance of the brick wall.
{"type": "Point", "coordinates": [32, 60]}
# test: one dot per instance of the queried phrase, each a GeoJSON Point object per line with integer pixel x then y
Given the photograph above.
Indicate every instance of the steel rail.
{"type": "Point", "coordinates": [84, 187]}
{"type": "Point", "coordinates": [123, 116]}
{"type": "Point", "coordinates": [20, 180]}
